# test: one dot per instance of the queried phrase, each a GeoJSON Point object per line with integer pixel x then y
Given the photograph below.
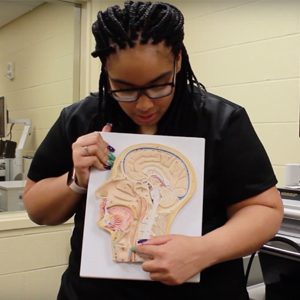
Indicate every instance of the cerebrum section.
{"type": "Point", "coordinates": [149, 185]}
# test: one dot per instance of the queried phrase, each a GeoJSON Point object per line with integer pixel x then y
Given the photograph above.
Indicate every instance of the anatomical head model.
{"type": "Point", "coordinates": [148, 186]}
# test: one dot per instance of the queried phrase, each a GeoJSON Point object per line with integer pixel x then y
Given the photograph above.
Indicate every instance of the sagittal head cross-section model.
{"type": "Point", "coordinates": [148, 186]}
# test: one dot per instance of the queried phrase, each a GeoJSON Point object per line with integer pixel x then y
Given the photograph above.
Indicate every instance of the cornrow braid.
{"type": "Point", "coordinates": [144, 22]}
{"type": "Point", "coordinates": [119, 28]}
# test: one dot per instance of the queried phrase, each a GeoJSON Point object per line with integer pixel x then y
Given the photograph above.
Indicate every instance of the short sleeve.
{"type": "Point", "coordinates": [244, 167]}
{"type": "Point", "coordinates": [53, 157]}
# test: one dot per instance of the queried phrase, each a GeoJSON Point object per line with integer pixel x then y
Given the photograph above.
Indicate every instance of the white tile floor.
{"type": "Point", "coordinates": [257, 292]}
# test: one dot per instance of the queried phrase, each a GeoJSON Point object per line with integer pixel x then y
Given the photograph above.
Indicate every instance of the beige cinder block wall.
{"type": "Point", "coordinates": [41, 44]}
{"type": "Point", "coordinates": [248, 52]}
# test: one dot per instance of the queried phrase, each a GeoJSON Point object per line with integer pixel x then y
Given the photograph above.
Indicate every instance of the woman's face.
{"type": "Point", "coordinates": [142, 66]}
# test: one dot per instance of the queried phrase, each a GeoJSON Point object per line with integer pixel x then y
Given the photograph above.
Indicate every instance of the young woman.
{"type": "Point", "coordinates": [147, 86]}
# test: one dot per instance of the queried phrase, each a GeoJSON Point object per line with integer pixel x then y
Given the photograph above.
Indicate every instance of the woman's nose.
{"type": "Point", "coordinates": [144, 103]}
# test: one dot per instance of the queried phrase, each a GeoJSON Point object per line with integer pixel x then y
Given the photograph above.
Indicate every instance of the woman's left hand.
{"type": "Point", "coordinates": [174, 258]}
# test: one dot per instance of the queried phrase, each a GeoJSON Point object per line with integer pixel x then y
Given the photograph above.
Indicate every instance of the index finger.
{"type": "Point", "coordinates": [146, 250]}
{"type": "Point", "coordinates": [151, 247]}
{"type": "Point", "coordinates": [106, 128]}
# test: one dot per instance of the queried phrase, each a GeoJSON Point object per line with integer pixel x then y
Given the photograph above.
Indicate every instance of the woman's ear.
{"type": "Point", "coordinates": [178, 61]}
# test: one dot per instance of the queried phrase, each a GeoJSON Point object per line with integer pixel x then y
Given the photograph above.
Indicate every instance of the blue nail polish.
{"type": "Point", "coordinates": [107, 167]}
{"type": "Point", "coordinates": [110, 148]}
{"type": "Point", "coordinates": [142, 241]}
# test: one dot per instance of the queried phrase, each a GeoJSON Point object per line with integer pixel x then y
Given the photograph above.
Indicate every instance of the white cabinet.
{"type": "Point", "coordinates": [11, 195]}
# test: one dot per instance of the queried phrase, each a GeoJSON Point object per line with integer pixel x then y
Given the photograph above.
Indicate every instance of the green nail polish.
{"type": "Point", "coordinates": [111, 156]}
{"type": "Point", "coordinates": [133, 248]}
{"type": "Point", "coordinates": [110, 162]}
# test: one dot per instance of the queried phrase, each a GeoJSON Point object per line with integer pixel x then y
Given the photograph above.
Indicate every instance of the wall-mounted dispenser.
{"type": "Point", "coordinates": [10, 74]}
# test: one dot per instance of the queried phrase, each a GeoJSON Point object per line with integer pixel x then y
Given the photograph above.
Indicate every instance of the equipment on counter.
{"type": "Point", "coordinates": [280, 257]}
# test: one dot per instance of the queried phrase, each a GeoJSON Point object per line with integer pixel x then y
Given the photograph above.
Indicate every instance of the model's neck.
{"type": "Point", "coordinates": [147, 129]}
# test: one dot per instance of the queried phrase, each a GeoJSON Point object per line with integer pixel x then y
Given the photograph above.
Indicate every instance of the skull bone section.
{"type": "Point", "coordinates": [149, 184]}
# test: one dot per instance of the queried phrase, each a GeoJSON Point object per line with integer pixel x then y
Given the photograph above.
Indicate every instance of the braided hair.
{"type": "Point", "coordinates": [140, 22]}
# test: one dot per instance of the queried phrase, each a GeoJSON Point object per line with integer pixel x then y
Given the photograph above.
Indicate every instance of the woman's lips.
{"type": "Point", "coordinates": [146, 119]}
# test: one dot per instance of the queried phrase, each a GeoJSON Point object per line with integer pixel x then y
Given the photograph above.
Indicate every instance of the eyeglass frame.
{"type": "Point", "coordinates": [144, 89]}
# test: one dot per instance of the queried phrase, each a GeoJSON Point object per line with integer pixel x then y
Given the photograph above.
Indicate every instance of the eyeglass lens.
{"type": "Point", "coordinates": [152, 92]}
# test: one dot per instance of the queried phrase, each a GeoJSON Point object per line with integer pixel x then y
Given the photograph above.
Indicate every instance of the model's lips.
{"type": "Point", "coordinates": [146, 119]}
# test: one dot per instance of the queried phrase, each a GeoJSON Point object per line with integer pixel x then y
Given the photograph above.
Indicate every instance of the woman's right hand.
{"type": "Point", "coordinates": [91, 150]}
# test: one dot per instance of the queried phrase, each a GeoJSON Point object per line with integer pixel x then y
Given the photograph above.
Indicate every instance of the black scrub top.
{"type": "Point", "coordinates": [236, 168]}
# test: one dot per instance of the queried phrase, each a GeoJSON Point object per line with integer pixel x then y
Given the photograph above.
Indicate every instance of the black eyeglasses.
{"type": "Point", "coordinates": [152, 91]}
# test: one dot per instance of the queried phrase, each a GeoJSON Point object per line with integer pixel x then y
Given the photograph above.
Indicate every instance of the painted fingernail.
{"type": "Point", "coordinates": [111, 156]}
{"type": "Point", "coordinates": [110, 148]}
{"type": "Point", "coordinates": [109, 124]}
{"type": "Point", "coordinates": [133, 248]}
{"type": "Point", "coordinates": [142, 241]}
{"type": "Point", "coordinates": [110, 162]}
{"type": "Point", "coordinates": [107, 167]}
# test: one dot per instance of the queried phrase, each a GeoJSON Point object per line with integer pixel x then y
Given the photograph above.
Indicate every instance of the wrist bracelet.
{"type": "Point", "coordinates": [72, 183]}
{"type": "Point", "coordinates": [77, 189]}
